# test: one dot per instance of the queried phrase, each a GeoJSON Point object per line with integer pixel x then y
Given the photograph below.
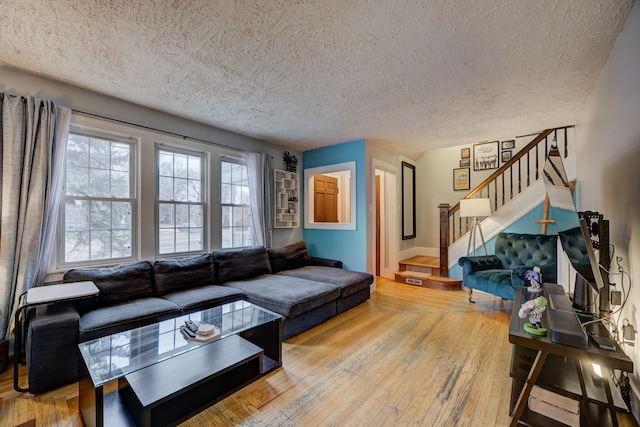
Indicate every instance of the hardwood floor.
{"type": "Point", "coordinates": [409, 356]}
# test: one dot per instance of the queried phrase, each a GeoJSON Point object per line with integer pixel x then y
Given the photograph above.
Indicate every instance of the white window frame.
{"type": "Point", "coordinates": [133, 199]}
{"type": "Point", "coordinates": [237, 161]}
{"type": "Point", "coordinates": [203, 203]}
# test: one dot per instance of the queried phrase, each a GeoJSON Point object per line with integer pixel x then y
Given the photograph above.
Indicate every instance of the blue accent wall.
{"type": "Point", "coordinates": [348, 246]}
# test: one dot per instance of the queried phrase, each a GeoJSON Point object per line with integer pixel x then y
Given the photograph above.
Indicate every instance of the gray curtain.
{"type": "Point", "coordinates": [32, 149]}
{"type": "Point", "coordinates": [260, 193]}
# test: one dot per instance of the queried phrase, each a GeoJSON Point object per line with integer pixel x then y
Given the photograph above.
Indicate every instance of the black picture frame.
{"type": "Point", "coordinates": [506, 155]}
{"type": "Point", "coordinates": [508, 145]}
{"type": "Point", "coordinates": [408, 201]}
{"type": "Point", "coordinates": [465, 163]}
{"type": "Point", "coordinates": [461, 179]}
{"type": "Point", "coordinates": [465, 153]}
{"type": "Point", "coordinates": [486, 156]}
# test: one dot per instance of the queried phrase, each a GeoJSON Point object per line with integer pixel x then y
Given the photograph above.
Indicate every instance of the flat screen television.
{"type": "Point", "coordinates": [573, 232]}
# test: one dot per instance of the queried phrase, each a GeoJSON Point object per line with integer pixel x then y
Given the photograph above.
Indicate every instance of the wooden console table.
{"type": "Point", "coordinates": [562, 373]}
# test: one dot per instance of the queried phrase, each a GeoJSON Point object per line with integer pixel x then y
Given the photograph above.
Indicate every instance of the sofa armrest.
{"type": "Point", "coordinates": [52, 346]}
{"type": "Point", "coordinates": [324, 262]}
{"type": "Point", "coordinates": [478, 263]}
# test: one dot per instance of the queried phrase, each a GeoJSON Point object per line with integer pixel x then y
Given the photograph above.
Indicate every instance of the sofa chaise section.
{"type": "Point", "coordinates": [294, 261]}
{"type": "Point", "coordinates": [303, 303]}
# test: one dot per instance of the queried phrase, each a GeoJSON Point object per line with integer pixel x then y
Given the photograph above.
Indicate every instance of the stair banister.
{"type": "Point", "coordinates": [448, 233]}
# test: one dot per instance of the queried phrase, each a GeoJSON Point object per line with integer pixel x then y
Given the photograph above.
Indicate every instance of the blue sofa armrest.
{"type": "Point", "coordinates": [478, 263]}
{"type": "Point", "coordinates": [324, 262]}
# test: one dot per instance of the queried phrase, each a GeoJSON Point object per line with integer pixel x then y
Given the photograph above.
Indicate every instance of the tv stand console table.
{"type": "Point", "coordinates": [559, 368]}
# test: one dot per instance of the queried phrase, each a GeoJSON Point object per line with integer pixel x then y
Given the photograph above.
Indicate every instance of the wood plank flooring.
{"type": "Point", "coordinates": [410, 356]}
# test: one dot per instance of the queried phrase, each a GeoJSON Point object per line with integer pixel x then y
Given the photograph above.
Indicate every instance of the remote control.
{"type": "Point", "coordinates": [190, 325]}
{"type": "Point", "coordinates": [188, 331]}
{"type": "Point", "coordinates": [603, 343]}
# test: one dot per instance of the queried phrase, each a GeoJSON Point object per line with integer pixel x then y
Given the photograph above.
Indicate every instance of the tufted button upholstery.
{"type": "Point", "coordinates": [515, 253]}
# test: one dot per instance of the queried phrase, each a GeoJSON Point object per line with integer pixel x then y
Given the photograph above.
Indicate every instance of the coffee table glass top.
{"type": "Point", "coordinates": [117, 355]}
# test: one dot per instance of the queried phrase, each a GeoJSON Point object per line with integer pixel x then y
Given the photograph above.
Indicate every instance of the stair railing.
{"type": "Point", "coordinates": [511, 179]}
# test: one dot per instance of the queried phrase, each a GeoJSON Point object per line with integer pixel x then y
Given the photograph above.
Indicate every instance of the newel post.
{"type": "Point", "coordinates": [444, 239]}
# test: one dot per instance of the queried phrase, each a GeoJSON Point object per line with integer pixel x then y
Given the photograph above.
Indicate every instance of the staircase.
{"type": "Point", "coordinates": [504, 185]}
{"type": "Point", "coordinates": [425, 271]}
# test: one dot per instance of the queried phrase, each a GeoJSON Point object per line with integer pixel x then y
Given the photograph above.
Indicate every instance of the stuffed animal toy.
{"type": "Point", "coordinates": [535, 279]}
{"type": "Point", "coordinates": [534, 309]}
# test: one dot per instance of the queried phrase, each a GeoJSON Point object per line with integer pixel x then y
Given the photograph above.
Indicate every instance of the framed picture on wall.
{"type": "Point", "coordinates": [506, 156]}
{"type": "Point", "coordinates": [465, 153]}
{"type": "Point", "coordinates": [461, 179]}
{"type": "Point", "coordinates": [509, 145]}
{"type": "Point", "coordinates": [485, 156]}
{"type": "Point", "coordinates": [465, 163]}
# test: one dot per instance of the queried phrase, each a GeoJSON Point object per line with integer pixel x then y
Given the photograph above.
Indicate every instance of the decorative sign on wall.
{"type": "Point", "coordinates": [461, 179]}
{"type": "Point", "coordinates": [485, 156]}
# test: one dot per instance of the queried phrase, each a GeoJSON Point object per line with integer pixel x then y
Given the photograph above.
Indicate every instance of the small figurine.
{"type": "Point", "coordinates": [535, 279]}
{"type": "Point", "coordinates": [534, 309]}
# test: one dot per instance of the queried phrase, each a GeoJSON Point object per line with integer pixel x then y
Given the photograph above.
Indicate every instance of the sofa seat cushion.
{"type": "Point", "coordinates": [204, 297]}
{"type": "Point", "coordinates": [127, 315]}
{"type": "Point", "coordinates": [349, 282]}
{"type": "Point", "coordinates": [495, 281]}
{"type": "Point", "coordinates": [177, 274]}
{"type": "Point", "coordinates": [289, 296]}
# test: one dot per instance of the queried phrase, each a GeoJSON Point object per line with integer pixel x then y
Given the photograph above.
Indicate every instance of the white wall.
{"type": "Point", "coordinates": [435, 185]}
{"type": "Point", "coordinates": [608, 159]}
{"type": "Point", "coordinates": [76, 98]}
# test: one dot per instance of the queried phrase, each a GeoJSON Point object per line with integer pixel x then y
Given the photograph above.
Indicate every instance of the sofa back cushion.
{"type": "Point", "coordinates": [289, 257]}
{"type": "Point", "coordinates": [124, 282]}
{"type": "Point", "coordinates": [172, 275]}
{"type": "Point", "coordinates": [515, 249]}
{"type": "Point", "coordinates": [240, 263]}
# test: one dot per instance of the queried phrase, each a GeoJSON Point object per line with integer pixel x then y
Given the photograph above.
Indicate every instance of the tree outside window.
{"type": "Point", "coordinates": [180, 202]}
{"type": "Point", "coordinates": [99, 204]}
{"type": "Point", "coordinates": [237, 226]}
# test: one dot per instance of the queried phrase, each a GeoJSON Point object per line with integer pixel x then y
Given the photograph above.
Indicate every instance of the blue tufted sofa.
{"type": "Point", "coordinates": [515, 253]}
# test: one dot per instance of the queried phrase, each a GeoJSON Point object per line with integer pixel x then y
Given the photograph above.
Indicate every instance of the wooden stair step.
{"type": "Point", "coordinates": [421, 261]}
{"type": "Point", "coordinates": [427, 280]}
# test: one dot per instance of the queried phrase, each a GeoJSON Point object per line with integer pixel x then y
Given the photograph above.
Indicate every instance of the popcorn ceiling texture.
{"type": "Point", "coordinates": [408, 75]}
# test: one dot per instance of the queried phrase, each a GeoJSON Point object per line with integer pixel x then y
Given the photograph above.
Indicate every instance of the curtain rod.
{"type": "Point", "coordinates": [166, 132]}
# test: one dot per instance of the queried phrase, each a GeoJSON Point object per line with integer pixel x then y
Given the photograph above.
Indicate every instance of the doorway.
{"type": "Point", "coordinates": [386, 213]}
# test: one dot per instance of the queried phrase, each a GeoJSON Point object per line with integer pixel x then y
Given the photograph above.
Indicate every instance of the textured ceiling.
{"type": "Point", "coordinates": [408, 75]}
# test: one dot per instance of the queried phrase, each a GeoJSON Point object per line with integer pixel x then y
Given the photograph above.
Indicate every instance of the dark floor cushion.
{"type": "Point", "coordinates": [127, 315]}
{"type": "Point", "coordinates": [349, 282]}
{"type": "Point", "coordinates": [204, 297]}
{"type": "Point", "coordinates": [289, 296]}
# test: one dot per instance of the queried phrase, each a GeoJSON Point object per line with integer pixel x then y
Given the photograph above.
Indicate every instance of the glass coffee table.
{"type": "Point", "coordinates": [164, 378]}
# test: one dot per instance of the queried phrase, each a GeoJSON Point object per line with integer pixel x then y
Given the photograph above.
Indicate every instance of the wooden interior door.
{"type": "Point", "coordinates": [325, 199]}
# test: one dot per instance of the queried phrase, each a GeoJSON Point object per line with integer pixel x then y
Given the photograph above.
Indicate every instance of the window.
{"type": "Point", "coordinates": [99, 202]}
{"type": "Point", "coordinates": [237, 226]}
{"type": "Point", "coordinates": [180, 201]}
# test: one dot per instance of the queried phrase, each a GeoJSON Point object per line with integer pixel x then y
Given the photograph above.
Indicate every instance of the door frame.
{"type": "Point", "coordinates": [390, 211]}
